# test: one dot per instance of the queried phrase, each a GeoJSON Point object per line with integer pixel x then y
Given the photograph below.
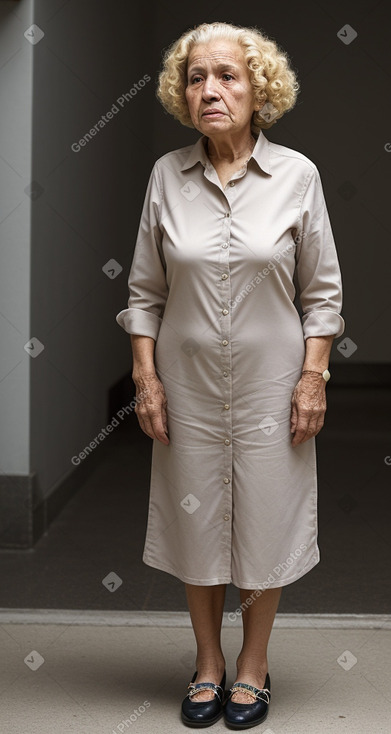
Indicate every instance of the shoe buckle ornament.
{"type": "Point", "coordinates": [262, 693]}
{"type": "Point", "coordinates": [194, 688]}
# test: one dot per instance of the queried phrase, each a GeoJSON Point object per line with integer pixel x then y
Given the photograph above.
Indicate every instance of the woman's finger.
{"type": "Point", "coordinates": [151, 422]}
{"type": "Point", "coordinates": [293, 416]}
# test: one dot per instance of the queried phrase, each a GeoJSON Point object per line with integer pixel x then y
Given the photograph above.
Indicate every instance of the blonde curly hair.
{"type": "Point", "coordinates": [273, 80]}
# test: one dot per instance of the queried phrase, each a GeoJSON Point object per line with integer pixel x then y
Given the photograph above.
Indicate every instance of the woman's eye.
{"type": "Point", "coordinates": [197, 79]}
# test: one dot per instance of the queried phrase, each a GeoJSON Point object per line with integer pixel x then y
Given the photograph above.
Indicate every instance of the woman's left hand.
{"type": "Point", "coordinates": [308, 408]}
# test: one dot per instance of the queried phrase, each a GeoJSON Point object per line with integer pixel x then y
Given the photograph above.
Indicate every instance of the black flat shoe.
{"type": "Point", "coordinates": [203, 713]}
{"type": "Point", "coordinates": [246, 715]}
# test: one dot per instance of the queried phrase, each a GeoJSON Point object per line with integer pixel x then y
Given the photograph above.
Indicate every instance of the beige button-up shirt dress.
{"type": "Point", "coordinates": [213, 281]}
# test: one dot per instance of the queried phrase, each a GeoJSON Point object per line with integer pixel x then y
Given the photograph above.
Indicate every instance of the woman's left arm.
{"type": "Point", "coordinates": [309, 396]}
{"type": "Point", "coordinates": [320, 290]}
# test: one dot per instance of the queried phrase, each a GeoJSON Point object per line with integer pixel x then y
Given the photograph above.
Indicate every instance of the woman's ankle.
{"type": "Point", "coordinates": [251, 671]}
{"type": "Point", "coordinates": [212, 666]}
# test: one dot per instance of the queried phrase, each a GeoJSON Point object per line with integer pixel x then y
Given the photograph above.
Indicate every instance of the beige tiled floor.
{"type": "Point", "coordinates": [94, 678]}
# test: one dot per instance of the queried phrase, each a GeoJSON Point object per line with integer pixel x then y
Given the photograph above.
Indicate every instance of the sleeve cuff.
{"type": "Point", "coordinates": [322, 323]}
{"type": "Point", "coordinates": [136, 321]}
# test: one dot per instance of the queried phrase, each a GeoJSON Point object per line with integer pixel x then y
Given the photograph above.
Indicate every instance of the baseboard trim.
{"type": "Point", "coordinates": [25, 514]}
{"type": "Point", "coordinates": [95, 617]}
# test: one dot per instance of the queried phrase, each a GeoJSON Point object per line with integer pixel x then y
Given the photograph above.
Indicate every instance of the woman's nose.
{"type": "Point", "coordinates": [210, 90]}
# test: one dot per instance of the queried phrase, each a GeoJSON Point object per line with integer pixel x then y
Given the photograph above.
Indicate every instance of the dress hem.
{"type": "Point", "coordinates": [240, 585]}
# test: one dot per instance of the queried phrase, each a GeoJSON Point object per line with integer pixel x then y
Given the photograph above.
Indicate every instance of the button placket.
{"type": "Point", "coordinates": [226, 383]}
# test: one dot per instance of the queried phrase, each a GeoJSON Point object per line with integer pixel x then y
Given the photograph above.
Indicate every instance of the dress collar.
{"type": "Point", "coordinates": [260, 154]}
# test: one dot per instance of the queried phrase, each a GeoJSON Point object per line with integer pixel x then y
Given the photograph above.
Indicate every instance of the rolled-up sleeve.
{"type": "Point", "coordinates": [147, 277]}
{"type": "Point", "coordinates": [317, 266]}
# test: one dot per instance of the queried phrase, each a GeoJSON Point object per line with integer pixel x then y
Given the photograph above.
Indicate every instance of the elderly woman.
{"type": "Point", "coordinates": [233, 375]}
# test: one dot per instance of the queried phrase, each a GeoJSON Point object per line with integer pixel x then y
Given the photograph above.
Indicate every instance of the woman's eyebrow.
{"type": "Point", "coordinates": [221, 65]}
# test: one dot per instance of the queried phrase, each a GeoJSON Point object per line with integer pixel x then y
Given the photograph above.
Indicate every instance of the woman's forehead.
{"type": "Point", "coordinates": [218, 51]}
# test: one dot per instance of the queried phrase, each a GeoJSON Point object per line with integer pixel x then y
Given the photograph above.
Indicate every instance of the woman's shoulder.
{"type": "Point", "coordinates": [175, 159]}
{"type": "Point", "coordinates": [289, 156]}
{"type": "Point", "coordinates": [175, 155]}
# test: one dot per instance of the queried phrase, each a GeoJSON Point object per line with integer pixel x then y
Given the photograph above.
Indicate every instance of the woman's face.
{"type": "Point", "coordinates": [219, 93]}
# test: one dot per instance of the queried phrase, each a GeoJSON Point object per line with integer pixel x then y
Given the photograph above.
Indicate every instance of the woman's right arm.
{"type": "Point", "coordinates": [148, 291]}
{"type": "Point", "coordinates": [151, 411]}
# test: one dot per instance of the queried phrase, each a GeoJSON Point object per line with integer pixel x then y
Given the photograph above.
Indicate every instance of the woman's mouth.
{"type": "Point", "coordinates": [212, 114]}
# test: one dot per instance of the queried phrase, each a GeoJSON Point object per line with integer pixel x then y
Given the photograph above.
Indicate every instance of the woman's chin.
{"type": "Point", "coordinates": [218, 124]}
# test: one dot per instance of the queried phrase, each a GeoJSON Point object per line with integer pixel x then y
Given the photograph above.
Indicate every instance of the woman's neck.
{"type": "Point", "coordinates": [229, 150]}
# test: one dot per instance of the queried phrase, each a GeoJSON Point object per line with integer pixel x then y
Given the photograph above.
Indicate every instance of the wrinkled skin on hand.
{"type": "Point", "coordinates": [151, 411]}
{"type": "Point", "coordinates": [308, 408]}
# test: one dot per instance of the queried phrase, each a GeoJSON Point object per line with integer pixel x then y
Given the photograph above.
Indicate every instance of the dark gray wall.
{"type": "Point", "coordinates": [85, 217]}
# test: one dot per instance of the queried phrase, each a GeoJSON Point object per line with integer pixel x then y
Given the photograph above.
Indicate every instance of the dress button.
{"type": "Point", "coordinates": [226, 406]}
{"type": "Point", "coordinates": [225, 374]}
{"type": "Point", "coordinates": [224, 342]}
{"type": "Point", "coordinates": [224, 276]}
{"type": "Point", "coordinates": [227, 442]}
{"type": "Point", "coordinates": [226, 480]}
{"type": "Point", "coordinates": [225, 244]}
{"type": "Point", "coordinates": [225, 311]}
{"type": "Point", "coordinates": [226, 517]}
{"type": "Point", "coordinates": [232, 183]}
{"type": "Point", "coordinates": [228, 214]}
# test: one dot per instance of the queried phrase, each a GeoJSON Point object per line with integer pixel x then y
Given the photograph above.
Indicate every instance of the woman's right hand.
{"type": "Point", "coordinates": [151, 411]}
